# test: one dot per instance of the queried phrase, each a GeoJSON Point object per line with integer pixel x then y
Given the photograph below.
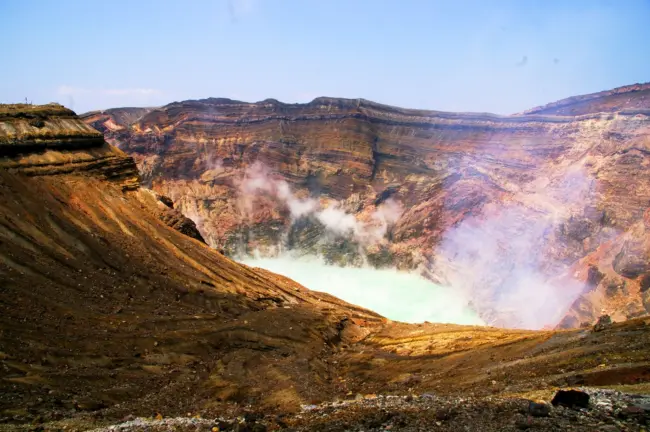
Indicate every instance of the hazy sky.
{"type": "Point", "coordinates": [497, 56]}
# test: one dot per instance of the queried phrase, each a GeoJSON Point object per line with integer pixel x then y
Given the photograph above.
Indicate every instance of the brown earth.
{"type": "Point", "coordinates": [576, 171]}
{"type": "Point", "coordinates": [106, 311]}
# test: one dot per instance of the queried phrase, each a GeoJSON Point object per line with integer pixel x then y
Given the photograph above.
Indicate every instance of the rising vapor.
{"type": "Point", "coordinates": [503, 259]}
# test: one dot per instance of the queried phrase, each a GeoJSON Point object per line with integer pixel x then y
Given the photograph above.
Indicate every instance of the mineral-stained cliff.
{"type": "Point", "coordinates": [520, 203]}
{"type": "Point", "coordinates": [628, 98]}
{"type": "Point", "coordinates": [106, 311]}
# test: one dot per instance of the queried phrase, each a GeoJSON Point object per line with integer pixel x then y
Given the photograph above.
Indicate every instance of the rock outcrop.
{"type": "Point", "coordinates": [552, 190]}
{"type": "Point", "coordinates": [50, 140]}
{"type": "Point", "coordinates": [174, 218]}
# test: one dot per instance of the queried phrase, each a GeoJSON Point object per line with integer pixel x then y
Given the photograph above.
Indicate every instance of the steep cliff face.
{"type": "Point", "coordinates": [508, 209]}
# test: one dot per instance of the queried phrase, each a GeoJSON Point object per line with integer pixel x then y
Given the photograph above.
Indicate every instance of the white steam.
{"type": "Point", "coordinates": [504, 259]}
{"type": "Point", "coordinates": [259, 181]}
{"type": "Point", "coordinates": [506, 263]}
{"type": "Point", "coordinates": [401, 296]}
{"type": "Point", "coordinates": [213, 163]}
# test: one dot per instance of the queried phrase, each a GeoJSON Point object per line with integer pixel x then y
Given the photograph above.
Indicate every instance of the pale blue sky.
{"type": "Point", "coordinates": [499, 56]}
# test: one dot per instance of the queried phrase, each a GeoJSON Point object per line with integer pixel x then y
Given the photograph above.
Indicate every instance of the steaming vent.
{"type": "Point", "coordinates": [493, 268]}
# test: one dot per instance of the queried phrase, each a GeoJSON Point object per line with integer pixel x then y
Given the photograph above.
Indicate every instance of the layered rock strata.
{"type": "Point", "coordinates": [525, 202]}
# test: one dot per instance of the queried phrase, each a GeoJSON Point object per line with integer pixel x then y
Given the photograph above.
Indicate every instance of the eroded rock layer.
{"type": "Point", "coordinates": [525, 202]}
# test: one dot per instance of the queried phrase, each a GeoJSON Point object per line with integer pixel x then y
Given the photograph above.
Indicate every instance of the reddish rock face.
{"type": "Point", "coordinates": [519, 212]}
{"type": "Point", "coordinates": [635, 97]}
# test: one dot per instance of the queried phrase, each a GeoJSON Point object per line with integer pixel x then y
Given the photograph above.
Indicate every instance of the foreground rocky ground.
{"type": "Point", "coordinates": [607, 411]}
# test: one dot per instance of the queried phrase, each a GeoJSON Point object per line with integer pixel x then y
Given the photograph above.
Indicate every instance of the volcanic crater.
{"type": "Point", "coordinates": [124, 303]}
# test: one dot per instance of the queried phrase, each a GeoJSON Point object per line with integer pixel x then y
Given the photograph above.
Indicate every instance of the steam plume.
{"type": "Point", "coordinates": [504, 259]}
{"type": "Point", "coordinates": [258, 180]}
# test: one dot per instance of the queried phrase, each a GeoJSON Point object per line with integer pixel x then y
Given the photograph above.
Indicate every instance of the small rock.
{"type": "Point", "coordinates": [250, 417]}
{"type": "Point", "coordinates": [603, 405]}
{"type": "Point", "coordinates": [37, 123]}
{"type": "Point", "coordinates": [89, 405]}
{"type": "Point", "coordinates": [539, 409]}
{"type": "Point", "coordinates": [635, 411]}
{"type": "Point", "coordinates": [645, 408]}
{"type": "Point", "coordinates": [523, 423]}
{"type": "Point", "coordinates": [571, 399]}
{"type": "Point", "coordinates": [603, 323]}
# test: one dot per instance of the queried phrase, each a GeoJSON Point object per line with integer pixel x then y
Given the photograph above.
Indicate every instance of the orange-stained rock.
{"type": "Point", "coordinates": [583, 173]}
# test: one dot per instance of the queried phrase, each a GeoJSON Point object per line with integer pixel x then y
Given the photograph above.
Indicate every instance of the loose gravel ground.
{"type": "Point", "coordinates": [608, 411]}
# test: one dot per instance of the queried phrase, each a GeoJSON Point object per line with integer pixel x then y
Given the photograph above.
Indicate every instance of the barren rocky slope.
{"type": "Point", "coordinates": [102, 304]}
{"type": "Point", "coordinates": [107, 312]}
{"type": "Point", "coordinates": [544, 205]}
